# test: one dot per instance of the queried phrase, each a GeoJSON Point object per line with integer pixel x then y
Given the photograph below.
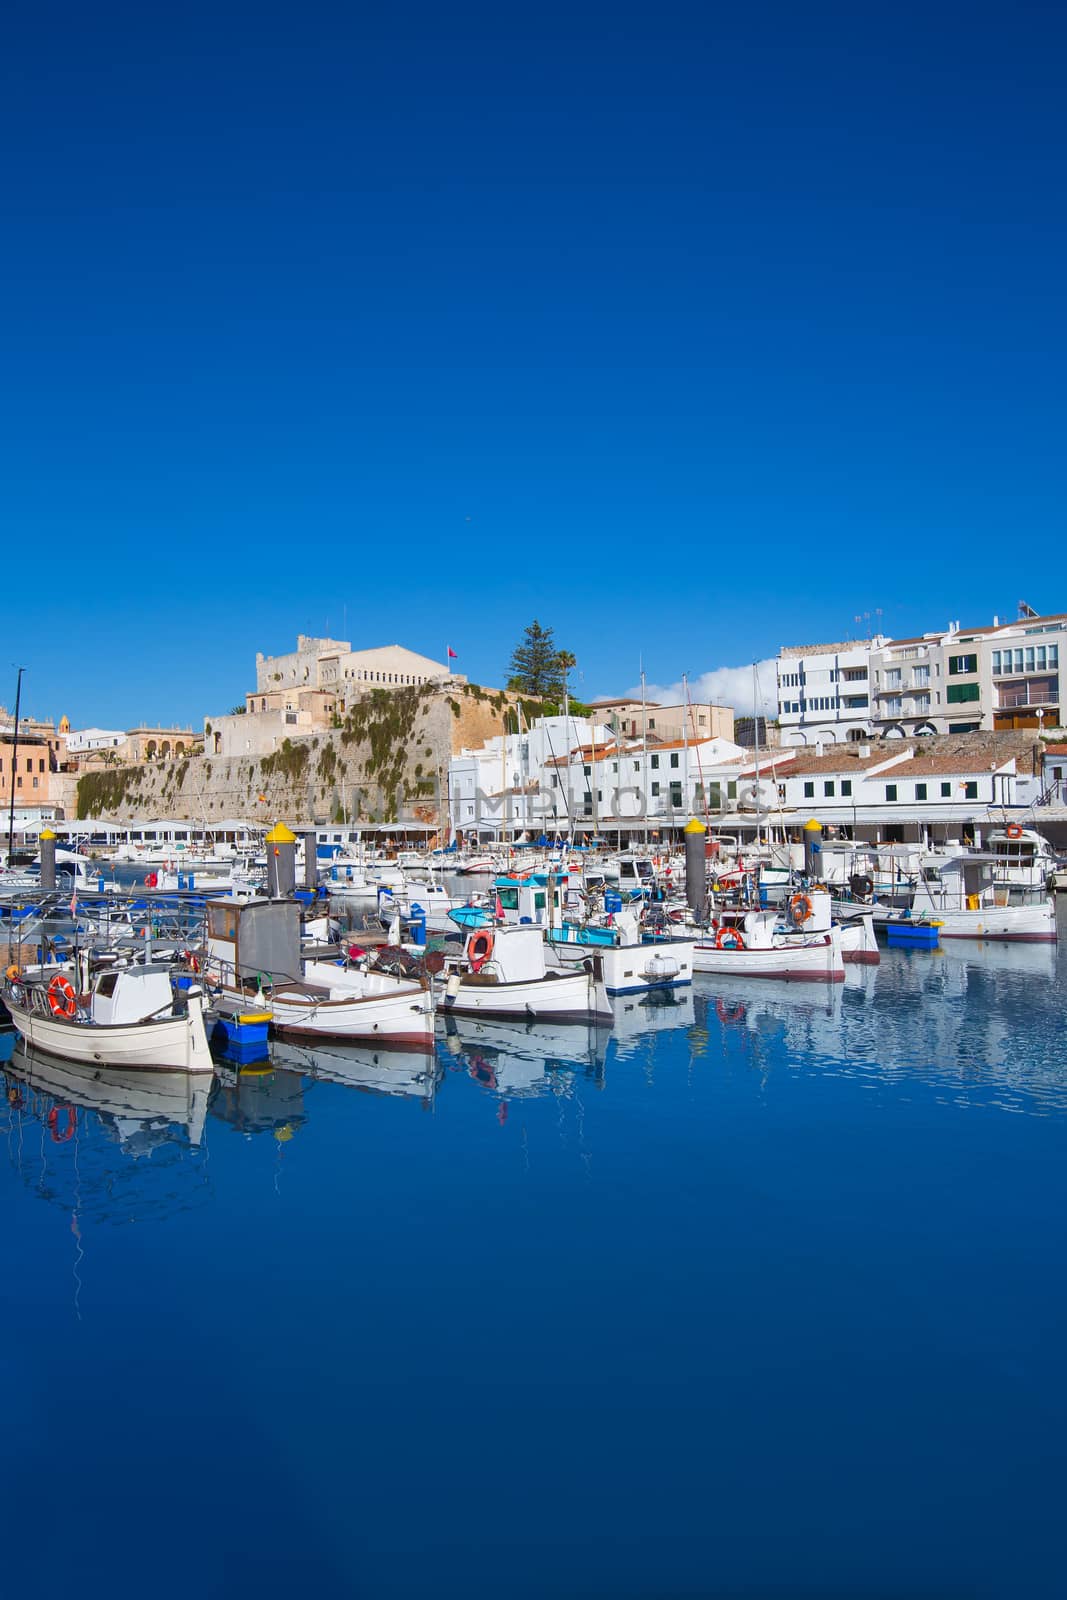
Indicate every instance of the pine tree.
{"type": "Point", "coordinates": [536, 666]}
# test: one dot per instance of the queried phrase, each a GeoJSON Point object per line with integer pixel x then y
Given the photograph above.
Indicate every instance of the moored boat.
{"type": "Point", "coordinates": [131, 1018]}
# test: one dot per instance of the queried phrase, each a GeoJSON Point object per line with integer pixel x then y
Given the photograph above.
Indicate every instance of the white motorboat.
{"type": "Point", "coordinates": [802, 946]}
{"type": "Point", "coordinates": [504, 974]}
{"type": "Point", "coordinates": [130, 1018]}
{"type": "Point", "coordinates": [631, 961]}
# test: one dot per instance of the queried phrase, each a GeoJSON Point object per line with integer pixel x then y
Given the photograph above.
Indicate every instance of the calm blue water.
{"type": "Point", "coordinates": [763, 1295]}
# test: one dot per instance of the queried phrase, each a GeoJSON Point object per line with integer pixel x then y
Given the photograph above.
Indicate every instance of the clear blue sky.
{"type": "Point", "coordinates": [688, 329]}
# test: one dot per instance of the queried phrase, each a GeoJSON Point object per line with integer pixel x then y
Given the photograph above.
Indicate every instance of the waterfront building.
{"type": "Point", "coordinates": [998, 677]}
{"type": "Point", "coordinates": [310, 688]}
{"type": "Point", "coordinates": [632, 718]}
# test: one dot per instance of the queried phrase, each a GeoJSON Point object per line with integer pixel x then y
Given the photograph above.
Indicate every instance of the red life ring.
{"type": "Point", "coordinates": [53, 1124]}
{"type": "Point", "coordinates": [727, 1014]}
{"type": "Point", "coordinates": [480, 949]}
{"type": "Point", "coordinates": [1014, 831]}
{"type": "Point", "coordinates": [61, 997]}
{"type": "Point", "coordinates": [151, 880]}
{"type": "Point", "coordinates": [729, 938]}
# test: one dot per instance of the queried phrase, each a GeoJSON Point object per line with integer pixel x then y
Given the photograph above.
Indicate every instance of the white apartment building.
{"type": "Point", "coordinates": [1003, 676]}
{"type": "Point", "coordinates": [824, 692]}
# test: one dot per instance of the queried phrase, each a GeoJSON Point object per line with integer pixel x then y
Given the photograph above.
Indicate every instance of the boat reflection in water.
{"type": "Point", "coordinates": [259, 1099]}
{"type": "Point", "coordinates": [657, 1011]}
{"type": "Point", "coordinates": [949, 1019]}
{"type": "Point", "coordinates": [524, 1059]}
{"type": "Point", "coordinates": [105, 1144]}
{"type": "Point", "coordinates": [388, 1072]}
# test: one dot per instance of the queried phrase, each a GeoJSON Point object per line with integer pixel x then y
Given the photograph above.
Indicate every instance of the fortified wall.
{"type": "Point", "coordinates": [383, 763]}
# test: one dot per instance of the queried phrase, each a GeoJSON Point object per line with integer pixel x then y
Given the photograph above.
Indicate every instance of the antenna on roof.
{"type": "Point", "coordinates": [1027, 611]}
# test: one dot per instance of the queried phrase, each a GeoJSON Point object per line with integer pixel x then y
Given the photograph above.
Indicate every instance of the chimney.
{"type": "Point", "coordinates": [864, 752]}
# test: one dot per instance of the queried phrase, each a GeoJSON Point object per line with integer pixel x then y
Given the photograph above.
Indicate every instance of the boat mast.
{"type": "Point", "coordinates": [14, 765]}
{"type": "Point", "coordinates": [755, 733]}
{"type": "Point", "coordinates": [644, 752]}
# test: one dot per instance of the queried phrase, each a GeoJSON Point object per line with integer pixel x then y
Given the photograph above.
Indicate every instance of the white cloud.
{"type": "Point", "coordinates": [727, 686]}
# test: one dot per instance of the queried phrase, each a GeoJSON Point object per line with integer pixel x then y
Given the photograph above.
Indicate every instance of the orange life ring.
{"type": "Point", "coordinates": [61, 997]}
{"type": "Point", "coordinates": [1014, 831]}
{"type": "Point", "coordinates": [801, 909]}
{"type": "Point", "coordinates": [151, 880]}
{"type": "Point", "coordinates": [53, 1124]}
{"type": "Point", "coordinates": [480, 949]}
{"type": "Point", "coordinates": [729, 938]}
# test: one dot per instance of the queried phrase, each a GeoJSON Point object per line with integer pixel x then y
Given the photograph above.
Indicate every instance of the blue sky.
{"type": "Point", "coordinates": [689, 330]}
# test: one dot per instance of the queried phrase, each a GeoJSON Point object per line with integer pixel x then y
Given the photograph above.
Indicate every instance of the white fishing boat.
{"type": "Point", "coordinates": [801, 945]}
{"type": "Point", "coordinates": [130, 1018]}
{"type": "Point", "coordinates": [972, 899]}
{"type": "Point", "coordinates": [503, 973]}
{"type": "Point", "coordinates": [356, 1003]}
{"type": "Point", "coordinates": [252, 957]}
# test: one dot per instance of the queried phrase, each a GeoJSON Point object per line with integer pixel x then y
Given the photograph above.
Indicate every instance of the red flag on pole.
{"type": "Point", "coordinates": [452, 656]}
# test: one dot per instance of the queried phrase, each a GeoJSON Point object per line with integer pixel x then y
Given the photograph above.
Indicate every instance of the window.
{"type": "Point", "coordinates": [809, 791]}
{"type": "Point", "coordinates": [970, 789]}
{"type": "Point", "coordinates": [920, 791]}
{"type": "Point", "coordinates": [1053, 655]}
{"type": "Point", "coordinates": [894, 705]}
{"type": "Point", "coordinates": [846, 786]}
{"type": "Point", "coordinates": [586, 770]}
{"type": "Point", "coordinates": [828, 789]}
{"type": "Point", "coordinates": [892, 678]}
{"type": "Point", "coordinates": [958, 693]}
{"type": "Point", "coordinates": [946, 791]}
{"type": "Point", "coordinates": [920, 677]}
{"type": "Point", "coordinates": [1029, 658]}
{"type": "Point", "coordinates": [655, 790]}
{"type": "Point", "coordinates": [958, 665]}
{"type": "Point", "coordinates": [655, 763]}
{"type": "Point", "coordinates": [731, 789]}
{"type": "Point", "coordinates": [890, 791]}
{"type": "Point", "coordinates": [674, 759]}
{"type": "Point", "coordinates": [652, 722]}
{"type": "Point", "coordinates": [676, 796]}
{"type": "Point", "coordinates": [964, 727]}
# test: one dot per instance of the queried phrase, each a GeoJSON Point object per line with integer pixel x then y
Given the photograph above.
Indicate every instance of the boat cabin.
{"type": "Point", "coordinates": [536, 897]}
{"type": "Point", "coordinates": [126, 995]}
{"type": "Point", "coordinates": [253, 940]}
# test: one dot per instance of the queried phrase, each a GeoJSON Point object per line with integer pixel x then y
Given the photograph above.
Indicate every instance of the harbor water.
{"type": "Point", "coordinates": [760, 1294]}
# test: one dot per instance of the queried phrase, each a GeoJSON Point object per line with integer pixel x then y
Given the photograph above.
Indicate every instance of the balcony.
{"type": "Point", "coordinates": [1013, 699]}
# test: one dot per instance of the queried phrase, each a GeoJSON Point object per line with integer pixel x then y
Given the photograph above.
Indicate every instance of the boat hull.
{"type": "Point", "coordinates": [1021, 924]}
{"type": "Point", "coordinates": [402, 1021]}
{"type": "Point", "coordinates": [557, 997]}
{"type": "Point", "coordinates": [817, 962]}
